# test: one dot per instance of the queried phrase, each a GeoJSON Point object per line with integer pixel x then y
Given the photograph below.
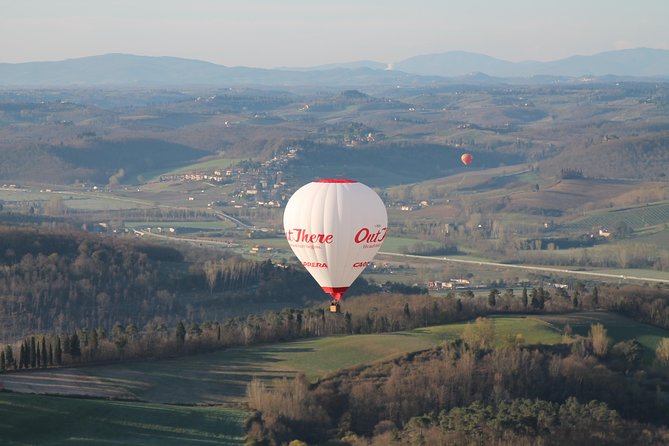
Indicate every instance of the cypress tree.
{"type": "Point", "coordinates": [524, 298]}
{"type": "Point", "coordinates": [492, 297]}
{"type": "Point", "coordinates": [3, 363]}
{"type": "Point", "coordinates": [26, 354]}
{"type": "Point", "coordinates": [94, 340]}
{"type": "Point", "coordinates": [595, 297]}
{"type": "Point", "coordinates": [59, 352]}
{"type": "Point", "coordinates": [181, 333]}
{"type": "Point", "coordinates": [22, 355]}
{"type": "Point", "coordinates": [50, 355]}
{"type": "Point", "coordinates": [66, 344]}
{"type": "Point", "coordinates": [44, 355]}
{"type": "Point", "coordinates": [9, 357]}
{"type": "Point", "coordinates": [407, 311]}
{"type": "Point", "coordinates": [543, 296]}
{"type": "Point", "coordinates": [535, 298]}
{"type": "Point", "coordinates": [75, 346]}
{"type": "Point", "coordinates": [33, 352]}
{"type": "Point", "coordinates": [38, 357]}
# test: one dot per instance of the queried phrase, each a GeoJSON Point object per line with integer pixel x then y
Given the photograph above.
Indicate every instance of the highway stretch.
{"type": "Point", "coordinates": [618, 277]}
{"type": "Point", "coordinates": [546, 269]}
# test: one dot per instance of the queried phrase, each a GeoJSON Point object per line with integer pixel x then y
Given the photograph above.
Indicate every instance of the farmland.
{"type": "Point", "coordinates": [638, 218]}
{"type": "Point", "coordinates": [33, 419]}
{"type": "Point", "coordinates": [221, 377]}
{"type": "Point", "coordinates": [133, 249]}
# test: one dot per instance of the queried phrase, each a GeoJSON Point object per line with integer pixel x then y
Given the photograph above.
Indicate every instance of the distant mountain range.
{"type": "Point", "coordinates": [457, 66]}
{"type": "Point", "coordinates": [639, 62]}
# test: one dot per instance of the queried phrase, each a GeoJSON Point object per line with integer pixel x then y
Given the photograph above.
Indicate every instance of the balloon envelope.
{"type": "Point", "coordinates": [466, 159]}
{"type": "Point", "coordinates": [335, 227]}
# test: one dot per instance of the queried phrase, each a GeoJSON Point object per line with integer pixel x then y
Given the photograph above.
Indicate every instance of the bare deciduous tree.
{"type": "Point", "coordinates": [599, 339]}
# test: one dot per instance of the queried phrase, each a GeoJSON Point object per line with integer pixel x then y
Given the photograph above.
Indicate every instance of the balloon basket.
{"type": "Point", "coordinates": [334, 307]}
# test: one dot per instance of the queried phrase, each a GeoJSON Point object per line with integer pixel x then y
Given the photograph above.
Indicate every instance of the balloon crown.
{"type": "Point", "coordinates": [336, 180]}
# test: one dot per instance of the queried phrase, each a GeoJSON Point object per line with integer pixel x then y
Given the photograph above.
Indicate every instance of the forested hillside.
{"type": "Point", "coordinates": [59, 280]}
{"type": "Point", "coordinates": [471, 392]}
{"type": "Point", "coordinates": [641, 156]}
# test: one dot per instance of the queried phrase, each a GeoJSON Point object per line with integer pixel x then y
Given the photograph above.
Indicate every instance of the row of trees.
{"type": "Point", "coordinates": [371, 313]}
{"type": "Point", "coordinates": [36, 353]}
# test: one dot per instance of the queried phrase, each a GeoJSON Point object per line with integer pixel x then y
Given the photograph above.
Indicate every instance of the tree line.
{"type": "Point", "coordinates": [363, 314]}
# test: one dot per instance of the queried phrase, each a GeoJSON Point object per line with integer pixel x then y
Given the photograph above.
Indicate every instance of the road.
{"type": "Point", "coordinates": [186, 239]}
{"type": "Point", "coordinates": [222, 216]}
{"type": "Point", "coordinates": [618, 277]}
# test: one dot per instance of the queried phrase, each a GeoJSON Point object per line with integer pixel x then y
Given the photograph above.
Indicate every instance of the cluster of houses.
{"type": "Point", "coordinates": [256, 184]}
{"type": "Point", "coordinates": [413, 206]}
{"type": "Point", "coordinates": [217, 176]}
{"type": "Point", "coordinates": [450, 284]}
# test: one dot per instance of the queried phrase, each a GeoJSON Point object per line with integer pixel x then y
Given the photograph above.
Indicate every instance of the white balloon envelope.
{"type": "Point", "coordinates": [335, 227]}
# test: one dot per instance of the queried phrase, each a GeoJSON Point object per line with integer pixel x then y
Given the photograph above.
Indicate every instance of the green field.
{"type": "Point", "coordinates": [82, 201]}
{"type": "Point", "coordinates": [619, 328]}
{"type": "Point", "coordinates": [189, 226]}
{"type": "Point", "coordinates": [221, 377]}
{"type": "Point", "coordinates": [32, 419]}
{"type": "Point", "coordinates": [636, 217]}
{"type": "Point", "coordinates": [395, 244]}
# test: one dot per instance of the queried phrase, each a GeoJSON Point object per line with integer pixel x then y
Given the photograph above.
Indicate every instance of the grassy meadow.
{"type": "Point", "coordinates": [221, 377]}
{"type": "Point", "coordinates": [188, 400]}
{"type": "Point", "coordinates": [619, 328]}
{"type": "Point", "coordinates": [38, 419]}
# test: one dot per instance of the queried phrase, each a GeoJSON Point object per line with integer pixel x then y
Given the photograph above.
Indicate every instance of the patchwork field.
{"type": "Point", "coordinates": [636, 217]}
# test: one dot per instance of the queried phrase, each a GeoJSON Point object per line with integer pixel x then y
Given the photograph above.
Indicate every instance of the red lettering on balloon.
{"type": "Point", "coordinates": [315, 264]}
{"type": "Point", "coordinates": [365, 236]}
{"type": "Point", "coordinates": [300, 235]}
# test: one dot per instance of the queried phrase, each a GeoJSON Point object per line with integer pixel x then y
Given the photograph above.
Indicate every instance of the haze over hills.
{"type": "Point", "coordinates": [639, 62]}
{"type": "Point", "coordinates": [125, 69]}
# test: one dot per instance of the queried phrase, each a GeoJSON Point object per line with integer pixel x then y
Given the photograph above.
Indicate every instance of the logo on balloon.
{"type": "Point", "coordinates": [371, 239]}
{"type": "Point", "coordinates": [315, 264]}
{"type": "Point", "coordinates": [360, 264]}
{"type": "Point", "coordinates": [302, 236]}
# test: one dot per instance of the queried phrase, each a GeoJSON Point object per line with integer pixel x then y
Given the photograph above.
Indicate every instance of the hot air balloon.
{"type": "Point", "coordinates": [466, 159]}
{"type": "Point", "coordinates": [335, 227]}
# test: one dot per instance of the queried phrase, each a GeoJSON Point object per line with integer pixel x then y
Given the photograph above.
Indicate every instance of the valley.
{"type": "Point", "coordinates": [147, 282]}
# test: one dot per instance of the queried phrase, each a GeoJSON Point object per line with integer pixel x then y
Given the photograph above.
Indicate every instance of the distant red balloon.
{"type": "Point", "coordinates": [466, 159]}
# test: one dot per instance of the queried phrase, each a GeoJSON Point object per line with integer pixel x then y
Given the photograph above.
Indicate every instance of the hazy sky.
{"type": "Point", "coordinates": [271, 33]}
